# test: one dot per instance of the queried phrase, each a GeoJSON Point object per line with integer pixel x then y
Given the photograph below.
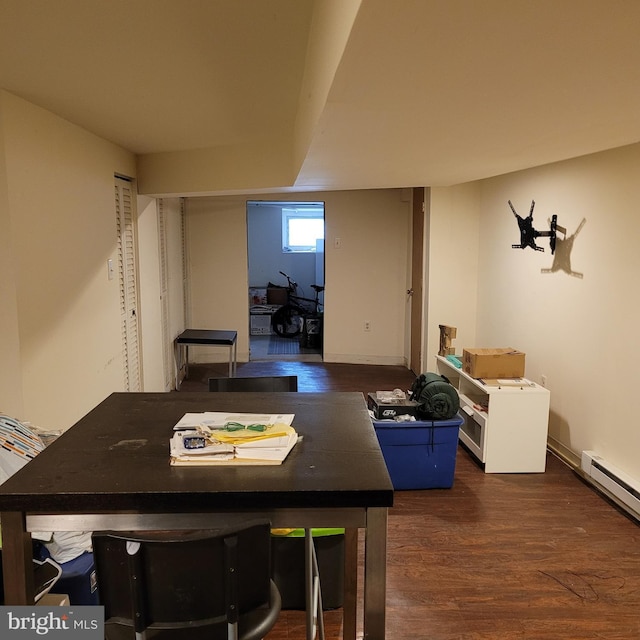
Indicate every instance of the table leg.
{"type": "Point", "coordinates": [350, 598]}
{"type": "Point", "coordinates": [313, 593]}
{"type": "Point", "coordinates": [17, 559]}
{"type": "Point", "coordinates": [176, 362]}
{"type": "Point", "coordinates": [308, 585]}
{"type": "Point", "coordinates": [375, 574]}
{"type": "Point", "coordinates": [235, 358]}
{"type": "Point", "coordinates": [177, 356]}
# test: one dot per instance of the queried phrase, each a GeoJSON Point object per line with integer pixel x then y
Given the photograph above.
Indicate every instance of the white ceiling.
{"type": "Point", "coordinates": [406, 92]}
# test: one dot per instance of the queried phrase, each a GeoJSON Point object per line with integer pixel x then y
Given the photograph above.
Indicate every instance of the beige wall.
{"type": "Point", "coordinates": [11, 401]}
{"type": "Point", "coordinates": [576, 331]}
{"type": "Point", "coordinates": [158, 359]}
{"type": "Point", "coordinates": [453, 226]}
{"type": "Point", "coordinates": [153, 378]}
{"type": "Point", "coordinates": [217, 241]}
{"type": "Point", "coordinates": [62, 338]}
{"type": "Point", "coordinates": [60, 318]}
{"type": "Point", "coordinates": [366, 278]}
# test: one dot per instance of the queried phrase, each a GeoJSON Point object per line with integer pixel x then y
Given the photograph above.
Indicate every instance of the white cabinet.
{"type": "Point", "coordinates": [505, 426]}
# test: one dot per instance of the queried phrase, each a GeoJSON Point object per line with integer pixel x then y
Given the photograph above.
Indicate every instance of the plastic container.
{"type": "Point", "coordinates": [421, 454]}
{"type": "Point", "coordinates": [78, 581]}
{"type": "Point", "coordinates": [287, 561]}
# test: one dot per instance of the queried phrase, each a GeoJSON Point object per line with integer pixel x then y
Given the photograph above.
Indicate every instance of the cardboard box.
{"type": "Point", "coordinates": [390, 410]}
{"type": "Point", "coordinates": [54, 600]}
{"type": "Point", "coordinates": [419, 455]}
{"type": "Point", "coordinates": [277, 295]}
{"type": "Point", "coordinates": [493, 363]}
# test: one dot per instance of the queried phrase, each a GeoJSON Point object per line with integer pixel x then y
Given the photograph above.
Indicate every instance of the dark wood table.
{"type": "Point", "coordinates": [111, 471]}
{"type": "Point", "coordinates": [205, 337]}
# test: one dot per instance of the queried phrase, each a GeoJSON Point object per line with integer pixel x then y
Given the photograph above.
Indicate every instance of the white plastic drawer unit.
{"type": "Point", "coordinates": [473, 429]}
{"type": "Point", "coordinates": [261, 325]}
{"type": "Point", "coordinates": [505, 422]}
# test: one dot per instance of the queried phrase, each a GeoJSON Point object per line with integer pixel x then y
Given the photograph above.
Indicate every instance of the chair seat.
{"type": "Point", "coordinates": [254, 625]}
{"type": "Point", "coordinates": [187, 585]}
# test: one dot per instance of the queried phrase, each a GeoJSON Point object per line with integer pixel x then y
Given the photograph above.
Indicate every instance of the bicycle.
{"type": "Point", "coordinates": [290, 319]}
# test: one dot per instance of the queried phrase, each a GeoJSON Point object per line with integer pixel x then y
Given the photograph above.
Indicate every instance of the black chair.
{"type": "Point", "coordinates": [255, 383]}
{"type": "Point", "coordinates": [187, 585]}
{"type": "Point", "coordinates": [312, 585]}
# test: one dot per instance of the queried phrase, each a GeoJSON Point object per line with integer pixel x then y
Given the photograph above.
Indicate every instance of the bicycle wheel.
{"type": "Point", "coordinates": [287, 322]}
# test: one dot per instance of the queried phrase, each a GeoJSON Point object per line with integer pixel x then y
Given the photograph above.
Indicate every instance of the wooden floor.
{"type": "Point", "coordinates": [497, 556]}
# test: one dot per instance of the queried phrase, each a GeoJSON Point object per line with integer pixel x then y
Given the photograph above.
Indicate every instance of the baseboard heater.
{"type": "Point", "coordinates": [616, 484]}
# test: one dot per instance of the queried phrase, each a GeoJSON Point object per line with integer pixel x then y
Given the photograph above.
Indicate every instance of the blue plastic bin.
{"type": "Point", "coordinates": [419, 455]}
{"type": "Point", "coordinates": [78, 579]}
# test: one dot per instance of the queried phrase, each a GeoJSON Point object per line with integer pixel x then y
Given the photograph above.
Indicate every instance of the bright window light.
{"type": "Point", "coordinates": [301, 228]}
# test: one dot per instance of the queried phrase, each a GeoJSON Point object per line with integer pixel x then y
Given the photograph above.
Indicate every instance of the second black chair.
{"type": "Point", "coordinates": [255, 383]}
{"type": "Point", "coordinates": [191, 585]}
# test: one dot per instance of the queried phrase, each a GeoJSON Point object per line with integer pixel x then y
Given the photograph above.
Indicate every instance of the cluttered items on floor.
{"type": "Point", "coordinates": [216, 438]}
{"type": "Point", "coordinates": [431, 397]}
{"type": "Point", "coordinates": [390, 405]}
{"type": "Point", "coordinates": [63, 562]}
{"type": "Point", "coordinates": [436, 397]}
{"type": "Point", "coordinates": [418, 432]}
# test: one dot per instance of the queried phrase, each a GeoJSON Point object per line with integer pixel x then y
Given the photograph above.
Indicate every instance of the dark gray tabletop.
{"type": "Point", "coordinates": [117, 458]}
{"type": "Point", "coordinates": [207, 336]}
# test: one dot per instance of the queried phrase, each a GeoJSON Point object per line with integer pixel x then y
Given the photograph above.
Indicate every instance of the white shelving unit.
{"type": "Point", "coordinates": [505, 426]}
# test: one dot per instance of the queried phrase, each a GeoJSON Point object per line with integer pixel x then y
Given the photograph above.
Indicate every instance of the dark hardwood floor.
{"type": "Point", "coordinates": [497, 556]}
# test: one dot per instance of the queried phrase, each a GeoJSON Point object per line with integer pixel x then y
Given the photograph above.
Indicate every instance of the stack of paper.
{"type": "Point", "coordinates": [211, 452]}
{"type": "Point", "coordinates": [242, 444]}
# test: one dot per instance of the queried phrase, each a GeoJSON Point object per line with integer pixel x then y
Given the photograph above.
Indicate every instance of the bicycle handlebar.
{"type": "Point", "coordinates": [289, 280]}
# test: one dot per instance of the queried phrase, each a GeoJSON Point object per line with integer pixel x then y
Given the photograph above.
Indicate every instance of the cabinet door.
{"type": "Point", "coordinates": [516, 436]}
{"type": "Point", "coordinates": [473, 429]}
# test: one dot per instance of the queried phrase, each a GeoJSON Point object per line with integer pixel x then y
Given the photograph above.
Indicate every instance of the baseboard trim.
{"type": "Point", "coordinates": [347, 358]}
{"type": "Point", "coordinates": [569, 457]}
{"type": "Point", "coordinates": [573, 461]}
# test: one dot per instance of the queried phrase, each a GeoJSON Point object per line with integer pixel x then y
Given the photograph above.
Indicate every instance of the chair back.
{"type": "Point", "coordinates": [255, 383]}
{"type": "Point", "coordinates": [187, 585]}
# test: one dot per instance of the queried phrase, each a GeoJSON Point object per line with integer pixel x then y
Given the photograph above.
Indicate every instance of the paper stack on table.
{"type": "Point", "coordinates": [212, 438]}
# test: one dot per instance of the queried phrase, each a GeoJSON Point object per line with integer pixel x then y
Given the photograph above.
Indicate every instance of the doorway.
{"type": "Point", "coordinates": [285, 248]}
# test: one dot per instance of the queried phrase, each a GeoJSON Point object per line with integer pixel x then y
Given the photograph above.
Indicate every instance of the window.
{"type": "Point", "coordinates": [301, 227]}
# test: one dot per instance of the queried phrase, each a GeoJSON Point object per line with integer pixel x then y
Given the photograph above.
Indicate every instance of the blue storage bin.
{"type": "Point", "coordinates": [78, 579]}
{"type": "Point", "coordinates": [421, 454]}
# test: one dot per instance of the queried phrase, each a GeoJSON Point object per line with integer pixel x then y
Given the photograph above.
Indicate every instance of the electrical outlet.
{"type": "Point", "coordinates": [367, 325]}
{"type": "Point", "coordinates": [543, 380]}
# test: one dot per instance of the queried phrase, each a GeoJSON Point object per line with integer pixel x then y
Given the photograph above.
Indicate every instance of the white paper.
{"type": "Point", "coordinates": [218, 450]}
{"type": "Point", "coordinates": [270, 450]}
{"type": "Point", "coordinates": [217, 419]}
{"type": "Point", "coordinates": [258, 452]}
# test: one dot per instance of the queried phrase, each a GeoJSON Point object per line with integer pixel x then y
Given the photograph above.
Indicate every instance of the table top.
{"type": "Point", "coordinates": [117, 458]}
{"type": "Point", "coordinates": [207, 336]}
